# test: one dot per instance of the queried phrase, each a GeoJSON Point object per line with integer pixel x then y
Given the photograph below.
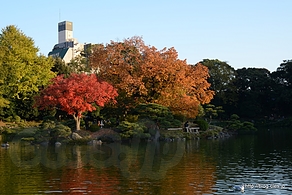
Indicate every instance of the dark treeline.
{"type": "Point", "coordinates": [252, 93]}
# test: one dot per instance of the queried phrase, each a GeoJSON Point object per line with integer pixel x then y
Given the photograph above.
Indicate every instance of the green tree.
{"type": "Point", "coordinates": [131, 130]}
{"type": "Point", "coordinates": [157, 113]}
{"type": "Point", "coordinates": [244, 127]}
{"type": "Point", "coordinates": [283, 74]}
{"type": "Point", "coordinates": [254, 86]}
{"type": "Point", "coordinates": [283, 89]}
{"type": "Point", "coordinates": [222, 78]}
{"type": "Point", "coordinates": [79, 65]}
{"type": "Point", "coordinates": [211, 111]}
{"type": "Point", "coordinates": [52, 131]}
{"type": "Point", "coordinates": [61, 68]}
{"type": "Point", "coordinates": [22, 70]}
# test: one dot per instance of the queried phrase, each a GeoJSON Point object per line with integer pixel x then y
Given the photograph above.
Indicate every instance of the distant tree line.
{"type": "Point", "coordinates": [252, 93]}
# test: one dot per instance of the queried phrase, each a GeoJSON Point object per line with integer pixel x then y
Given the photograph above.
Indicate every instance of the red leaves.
{"type": "Point", "coordinates": [76, 93]}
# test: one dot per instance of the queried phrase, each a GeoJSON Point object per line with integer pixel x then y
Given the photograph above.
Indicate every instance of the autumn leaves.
{"type": "Point", "coordinates": [143, 74]}
{"type": "Point", "coordinates": [76, 94]}
{"type": "Point", "coordinates": [131, 73]}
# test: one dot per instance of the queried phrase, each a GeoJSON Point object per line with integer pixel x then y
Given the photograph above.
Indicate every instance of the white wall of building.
{"type": "Point", "coordinates": [65, 35]}
{"type": "Point", "coordinates": [73, 52]}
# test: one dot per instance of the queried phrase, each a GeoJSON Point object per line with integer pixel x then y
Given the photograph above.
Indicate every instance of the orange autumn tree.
{"type": "Point", "coordinates": [143, 74]}
{"type": "Point", "coordinates": [76, 94]}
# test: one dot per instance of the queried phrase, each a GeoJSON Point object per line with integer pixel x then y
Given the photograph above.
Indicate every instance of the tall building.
{"type": "Point", "coordinates": [65, 31]}
{"type": "Point", "coordinates": [67, 47]}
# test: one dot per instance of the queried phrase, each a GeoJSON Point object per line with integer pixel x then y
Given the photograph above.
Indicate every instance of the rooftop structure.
{"type": "Point", "coordinates": [65, 31]}
{"type": "Point", "coordinates": [67, 47]}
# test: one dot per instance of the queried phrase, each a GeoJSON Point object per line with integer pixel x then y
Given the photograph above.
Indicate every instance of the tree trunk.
{"type": "Point", "coordinates": [77, 120]}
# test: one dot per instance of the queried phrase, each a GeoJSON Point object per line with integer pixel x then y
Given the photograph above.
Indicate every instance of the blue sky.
{"type": "Point", "coordinates": [249, 33]}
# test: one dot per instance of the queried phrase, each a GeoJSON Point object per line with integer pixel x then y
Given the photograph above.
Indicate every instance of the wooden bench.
{"type": "Point", "coordinates": [193, 129]}
{"type": "Point", "coordinates": [189, 130]}
{"type": "Point", "coordinates": [175, 129]}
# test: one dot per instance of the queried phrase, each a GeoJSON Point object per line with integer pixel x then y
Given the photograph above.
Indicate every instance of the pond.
{"type": "Point", "coordinates": [262, 163]}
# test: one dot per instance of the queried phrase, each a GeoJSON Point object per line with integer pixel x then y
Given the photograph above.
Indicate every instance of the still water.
{"type": "Point", "coordinates": [262, 163]}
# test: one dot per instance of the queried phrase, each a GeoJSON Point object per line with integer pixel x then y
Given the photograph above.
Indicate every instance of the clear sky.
{"type": "Point", "coordinates": [244, 33]}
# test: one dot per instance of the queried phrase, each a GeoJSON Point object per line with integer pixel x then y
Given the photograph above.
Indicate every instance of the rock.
{"type": "Point", "coordinates": [75, 136]}
{"type": "Point", "coordinates": [6, 145]}
{"type": "Point", "coordinates": [95, 142]}
{"type": "Point", "coordinates": [44, 143]}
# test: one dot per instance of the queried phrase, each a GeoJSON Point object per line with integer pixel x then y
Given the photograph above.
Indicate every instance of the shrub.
{"type": "Point", "coordinates": [179, 117]}
{"type": "Point", "coordinates": [176, 123]}
{"type": "Point", "coordinates": [8, 119]}
{"type": "Point", "coordinates": [234, 117]}
{"type": "Point", "coordinates": [150, 125]}
{"type": "Point", "coordinates": [111, 122]}
{"type": "Point", "coordinates": [247, 127]}
{"type": "Point", "coordinates": [61, 130]}
{"type": "Point", "coordinates": [49, 118]}
{"type": "Point", "coordinates": [17, 119]}
{"type": "Point", "coordinates": [209, 133]}
{"type": "Point", "coordinates": [8, 130]}
{"type": "Point", "coordinates": [52, 131]}
{"type": "Point", "coordinates": [130, 130]}
{"type": "Point", "coordinates": [27, 132]}
{"type": "Point", "coordinates": [164, 124]}
{"type": "Point", "coordinates": [70, 123]}
{"type": "Point", "coordinates": [131, 118]}
{"type": "Point", "coordinates": [244, 127]}
{"type": "Point", "coordinates": [158, 114]}
{"type": "Point", "coordinates": [94, 128]}
{"type": "Point", "coordinates": [202, 124]}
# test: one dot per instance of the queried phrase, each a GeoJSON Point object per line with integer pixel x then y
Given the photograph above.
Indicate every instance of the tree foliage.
{"type": "Point", "coordinates": [52, 131]}
{"type": "Point", "coordinates": [158, 114]}
{"type": "Point", "coordinates": [222, 78]}
{"type": "Point", "coordinates": [60, 68]}
{"type": "Point", "coordinates": [282, 93]}
{"type": "Point", "coordinates": [22, 70]}
{"type": "Point", "coordinates": [211, 111]}
{"type": "Point", "coordinates": [143, 74]}
{"type": "Point", "coordinates": [76, 94]}
{"type": "Point", "coordinates": [241, 127]}
{"type": "Point", "coordinates": [255, 89]}
{"type": "Point", "coordinates": [132, 130]}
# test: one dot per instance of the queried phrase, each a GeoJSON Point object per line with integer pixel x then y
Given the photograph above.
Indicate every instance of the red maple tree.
{"type": "Point", "coordinates": [76, 94]}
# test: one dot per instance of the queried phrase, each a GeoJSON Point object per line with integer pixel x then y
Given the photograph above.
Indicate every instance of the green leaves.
{"type": "Point", "coordinates": [241, 127]}
{"type": "Point", "coordinates": [222, 78]}
{"type": "Point", "coordinates": [22, 70]}
{"type": "Point", "coordinates": [130, 130]}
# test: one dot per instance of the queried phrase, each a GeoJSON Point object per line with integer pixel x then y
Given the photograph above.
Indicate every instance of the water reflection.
{"type": "Point", "coordinates": [261, 163]}
{"type": "Point", "coordinates": [195, 173]}
{"type": "Point", "coordinates": [135, 160]}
